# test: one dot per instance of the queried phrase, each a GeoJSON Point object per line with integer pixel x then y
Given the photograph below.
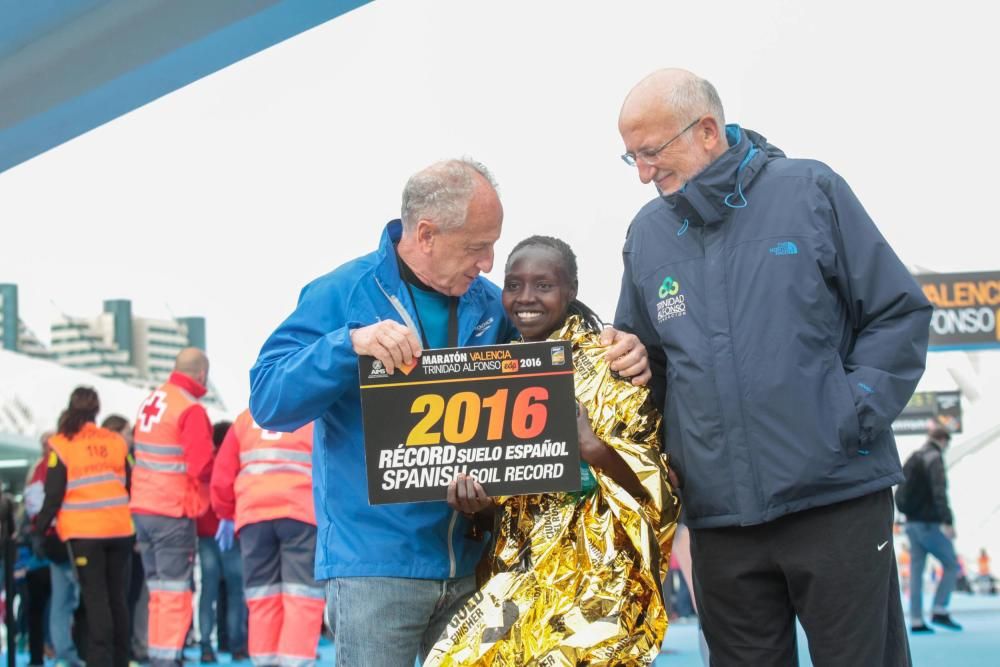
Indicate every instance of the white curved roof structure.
{"type": "Point", "coordinates": [33, 393]}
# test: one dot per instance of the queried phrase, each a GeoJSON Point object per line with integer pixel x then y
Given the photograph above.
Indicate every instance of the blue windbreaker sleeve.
{"type": "Point", "coordinates": [306, 364]}
{"type": "Point", "coordinates": [888, 311]}
{"type": "Point", "coordinates": [631, 316]}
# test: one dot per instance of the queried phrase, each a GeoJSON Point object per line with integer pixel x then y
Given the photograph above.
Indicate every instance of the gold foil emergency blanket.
{"type": "Point", "coordinates": [576, 581]}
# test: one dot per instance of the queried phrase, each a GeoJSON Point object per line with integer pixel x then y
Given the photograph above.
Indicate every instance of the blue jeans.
{"type": "Point", "coordinates": [389, 621]}
{"type": "Point", "coordinates": [927, 538]}
{"type": "Point", "coordinates": [64, 601]}
{"type": "Point", "coordinates": [215, 565]}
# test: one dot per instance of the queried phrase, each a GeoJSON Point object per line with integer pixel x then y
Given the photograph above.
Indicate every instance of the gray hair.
{"type": "Point", "coordinates": [442, 192]}
{"type": "Point", "coordinates": [694, 97]}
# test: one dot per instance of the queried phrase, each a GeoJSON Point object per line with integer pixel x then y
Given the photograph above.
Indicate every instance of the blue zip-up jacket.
{"type": "Point", "coordinates": [308, 370]}
{"type": "Point", "coordinates": [784, 335]}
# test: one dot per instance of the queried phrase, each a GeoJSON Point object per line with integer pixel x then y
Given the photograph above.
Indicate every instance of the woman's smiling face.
{"type": "Point", "coordinates": [537, 291]}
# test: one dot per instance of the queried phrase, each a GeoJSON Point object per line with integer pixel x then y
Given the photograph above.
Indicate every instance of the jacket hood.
{"type": "Point", "coordinates": [706, 198]}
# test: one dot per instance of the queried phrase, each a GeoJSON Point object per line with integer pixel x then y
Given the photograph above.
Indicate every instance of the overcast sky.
{"type": "Point", "coordinates": [224, 198]}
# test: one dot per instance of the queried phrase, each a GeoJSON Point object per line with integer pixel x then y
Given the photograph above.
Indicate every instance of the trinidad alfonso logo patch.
{"type": "Point", "coordinates": [672, 303]}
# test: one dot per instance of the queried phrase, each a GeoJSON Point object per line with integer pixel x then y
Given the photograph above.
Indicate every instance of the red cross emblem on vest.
{"type": "Point", "coordinates": [265, 434]}
{"type": "Point", "coordinates": [152, 411]}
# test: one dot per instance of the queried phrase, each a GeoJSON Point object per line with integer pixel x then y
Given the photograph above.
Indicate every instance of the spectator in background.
{"type": "Point", "coordinates": [218, 566]}
{"type": "Point", "coordinates": [931, 529]}
{"type": "Point", "coordinates": [138, 593]}
{"type": "Point", "coordinates": [38, 588]}
{"type": "Point", "coordinates": [262, 491]}
{"type": "Point", "coordinates": [173, 447]}
{"type": "Point", "coordinates": [86, 492]}
{"type": "Point", "coordinates": [64, 594]}
{"type": "Point", "coordinates": [985, 582]}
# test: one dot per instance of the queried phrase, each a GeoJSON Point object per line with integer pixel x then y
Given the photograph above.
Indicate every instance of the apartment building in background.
{"type": "Point", "coordinates": [114, 344]}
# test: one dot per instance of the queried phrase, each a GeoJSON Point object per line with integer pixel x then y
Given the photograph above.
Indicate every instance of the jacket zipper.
{"type": "Point", "coordinates": [398, 306]}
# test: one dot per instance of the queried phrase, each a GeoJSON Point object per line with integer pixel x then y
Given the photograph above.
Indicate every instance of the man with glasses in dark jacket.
{"type": "Point", "coordinates": [931, 529]}
{"type": "Point", "coordinates": [784, 337]}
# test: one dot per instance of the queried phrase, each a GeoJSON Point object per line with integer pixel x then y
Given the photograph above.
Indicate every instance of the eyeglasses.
{"type": "Point", "coordinates": [648, 157]}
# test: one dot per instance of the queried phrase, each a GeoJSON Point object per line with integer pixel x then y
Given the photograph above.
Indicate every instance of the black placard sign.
{"type": "Point", "coordinates": [504, 414]}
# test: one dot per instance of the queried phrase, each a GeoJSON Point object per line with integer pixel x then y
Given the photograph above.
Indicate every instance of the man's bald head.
{"type": "Point", "coordinates": [193, 363]}
{"type": "Point", "coordinates": [674, 94]}
{"type": "Point", "coordinates": [673, 128]}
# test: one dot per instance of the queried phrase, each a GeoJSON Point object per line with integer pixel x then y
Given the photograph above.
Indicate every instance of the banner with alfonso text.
{"type": "Point", "coordinates": [504, 414]}
{"type": "Point", "coordinates": [966, 309]}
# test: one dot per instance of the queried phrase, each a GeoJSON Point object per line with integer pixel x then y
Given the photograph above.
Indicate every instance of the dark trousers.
{"type": "Point", "coordinates": [138, 609]}
{"type": "Point", "coordinates": [39, 587]}
{"type": "Point", "coordinates": [832, 567]}
{"type": "Point", "coordinates": [102, 566]}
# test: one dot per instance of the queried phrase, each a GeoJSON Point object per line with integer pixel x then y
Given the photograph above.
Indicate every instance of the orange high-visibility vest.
{"type": "Point", "coordinates": [160, 483]}
{"type": "Point", "coordinates": [96, 501]}
{"type": "Point", "coordinates": [275, 478]}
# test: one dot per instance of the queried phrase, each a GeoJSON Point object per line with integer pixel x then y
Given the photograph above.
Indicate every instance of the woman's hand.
{"type": "Point", "coordinates": [466, 495]}
{"type": "Point", "coordinates": [591, 447]}
{"type": "Point", "coordinates": [599, 455]}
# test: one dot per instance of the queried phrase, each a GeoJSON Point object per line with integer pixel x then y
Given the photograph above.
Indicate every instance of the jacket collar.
{"type": "Point", "coordinates": [188, 384]}
{"type": "Point", "coordinates": [707, 198]}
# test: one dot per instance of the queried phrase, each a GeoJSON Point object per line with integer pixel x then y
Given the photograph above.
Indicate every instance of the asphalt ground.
{"type": "Point", "coordinates": [977, 645]}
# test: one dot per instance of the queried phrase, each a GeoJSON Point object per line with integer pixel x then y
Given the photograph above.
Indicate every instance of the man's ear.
{"type": "Point", "coordinates": [709, 133]}
{"type": "Point", "coordinates": [427, 231]}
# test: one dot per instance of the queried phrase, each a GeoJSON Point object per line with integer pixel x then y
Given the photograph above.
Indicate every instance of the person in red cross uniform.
{"type": "Point", "coordinates": [173, 455]}
{"type": "Point", "coordinates": [262, 490]}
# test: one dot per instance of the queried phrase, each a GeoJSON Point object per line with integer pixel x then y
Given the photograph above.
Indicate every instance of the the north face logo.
{"type": "Point", "coordinates": [784, 248]}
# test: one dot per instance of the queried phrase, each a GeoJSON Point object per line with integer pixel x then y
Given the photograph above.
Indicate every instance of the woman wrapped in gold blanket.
{"type": "Point", "coordinates": [574, 577]}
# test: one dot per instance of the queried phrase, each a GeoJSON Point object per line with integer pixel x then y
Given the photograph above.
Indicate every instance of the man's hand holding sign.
{"type": "Point", "coordinates": [502, 415]}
